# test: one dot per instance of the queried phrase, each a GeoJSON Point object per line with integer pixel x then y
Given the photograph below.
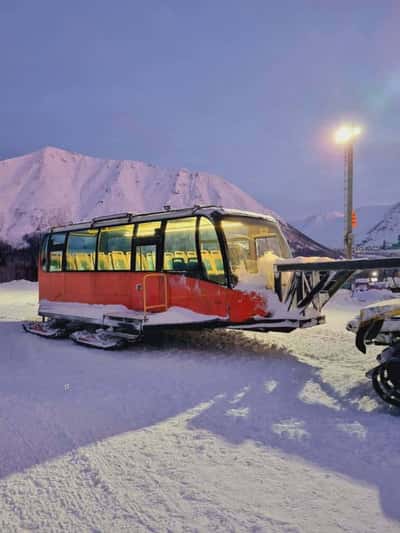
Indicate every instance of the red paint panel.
{"type": "Point", "coordinates": [127, 288]}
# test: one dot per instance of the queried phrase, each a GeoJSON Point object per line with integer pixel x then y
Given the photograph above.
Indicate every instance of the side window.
{"type": "Point", "coordinates": [180, 253]}
{"type": "Point", "coordinates": [146, 242]}
{"type": "Point", "coordinates": [43, 253]}
{"type": "Point", "coordinates": [56, 246]}
{"type": "Point", "coordinates": [81, 250]}
{"type": "Point", "coordinates": [114, 250]}
{"type": "Point", "coordinates": [145, 259]}
{"type": "Point", "coordinates": [210, 251]}
{"type": "Point", "coordinates": [148, 230]}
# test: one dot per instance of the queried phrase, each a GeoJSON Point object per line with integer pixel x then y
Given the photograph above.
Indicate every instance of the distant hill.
{"type": "Point", "coordinates": [386, 232]}
{"type": "Point", "coordinates": [329, 228]}
{"type": "Point", "coordinates": [53, 186]}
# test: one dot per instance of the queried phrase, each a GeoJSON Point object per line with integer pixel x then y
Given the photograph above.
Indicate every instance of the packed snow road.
{"type": "Point", "coordinates": [217, 431]}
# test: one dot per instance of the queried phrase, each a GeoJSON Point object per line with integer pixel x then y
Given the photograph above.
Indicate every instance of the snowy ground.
{"type": "Point", "coordinates": [197, 432]}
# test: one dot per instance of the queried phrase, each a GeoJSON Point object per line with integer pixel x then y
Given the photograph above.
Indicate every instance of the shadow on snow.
{"type": "Point", "coordinates": [55, 397]}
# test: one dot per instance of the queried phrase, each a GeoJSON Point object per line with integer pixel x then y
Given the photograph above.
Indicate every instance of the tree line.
{"type": "Point", "coordinates": [19, 263]}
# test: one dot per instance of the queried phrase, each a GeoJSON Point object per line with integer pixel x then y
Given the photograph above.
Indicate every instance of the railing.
{"type": "Point", "coordinates": [163, 304]}
{"type": "Point", "coordinates": [315, 283]}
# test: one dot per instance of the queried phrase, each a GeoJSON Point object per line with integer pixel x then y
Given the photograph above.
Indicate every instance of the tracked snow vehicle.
{"type": "Point", "coordinates": [109, 280]}
{"type": "Point", "coordinates": [379, 324]}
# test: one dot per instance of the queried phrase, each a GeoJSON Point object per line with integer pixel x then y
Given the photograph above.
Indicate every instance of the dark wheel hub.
{"type": "Point", "coordinates": [386, 381]}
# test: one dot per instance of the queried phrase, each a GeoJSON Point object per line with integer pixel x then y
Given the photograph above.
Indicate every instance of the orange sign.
{"type": "Point", "coordinates": [354, 221]}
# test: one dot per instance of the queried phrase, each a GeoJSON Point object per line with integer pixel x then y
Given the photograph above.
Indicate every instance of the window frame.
{"type": "Point", "coordinates": [66, 242]}
{"type": "Point", "coordinates": [232, 282]}
{"type": "Point", "coordinates": [47, 240]}
{"type": "Point", "coordinates": [157, 240]}
{"type": "Point", "coordinates": [216, 223]}
{"type": "Point", "coordinates": [186, 273]}
{"type": "Point", "coordinates": [44, 253]}
{"type": "Point", "coordinates": [130, 269]}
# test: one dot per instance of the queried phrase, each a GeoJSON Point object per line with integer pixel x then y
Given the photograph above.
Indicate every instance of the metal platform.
{"type": "Point", "coordinates": [281, 325]}
{"type": "Point", "coordinates": [314, 283]}
{"type": "Point", "coordinates": [346, 264]}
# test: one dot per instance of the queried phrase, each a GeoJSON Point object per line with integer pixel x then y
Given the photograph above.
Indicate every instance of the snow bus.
{"type": "Point", "coordinates": [108, 281]}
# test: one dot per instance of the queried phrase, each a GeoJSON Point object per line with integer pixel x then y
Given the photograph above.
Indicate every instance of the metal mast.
{"type": "Point", "coordinates": [348, 232]}
{"type": "Point", "coordinates": [346, 135]}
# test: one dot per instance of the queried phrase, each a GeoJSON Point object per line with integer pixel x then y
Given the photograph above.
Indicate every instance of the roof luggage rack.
{"type": "Point", "coordinates": [128, 218]}
{"type": "Point", "coordinates": [111, 217]}
{"type": "Point", "coordinates": [118, 218]}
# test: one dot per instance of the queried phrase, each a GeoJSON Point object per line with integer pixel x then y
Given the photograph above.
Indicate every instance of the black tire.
{"type": "Point", "coordinates": [386, 383]}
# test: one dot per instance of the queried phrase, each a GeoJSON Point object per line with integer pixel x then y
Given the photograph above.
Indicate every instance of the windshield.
{"type": "Point", "coordinates": [254, 245]}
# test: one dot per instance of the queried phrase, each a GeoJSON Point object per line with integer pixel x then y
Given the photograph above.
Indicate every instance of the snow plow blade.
{"type": "Point", "coordinates": [367, 332]}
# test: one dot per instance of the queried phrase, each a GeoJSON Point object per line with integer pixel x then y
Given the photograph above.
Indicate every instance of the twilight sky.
{"type": "Point", "coordinates": [249, 90]}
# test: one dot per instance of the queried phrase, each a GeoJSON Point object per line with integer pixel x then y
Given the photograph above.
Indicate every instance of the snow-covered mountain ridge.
{"type": "Point", "coordinates": [54, 186]}
{"type": "Point", "coordinates": [328, 228]}
{"type": "Point", "coordinates": [386, 232]}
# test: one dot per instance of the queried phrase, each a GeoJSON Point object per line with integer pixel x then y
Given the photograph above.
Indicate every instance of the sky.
{"type": "Point", "coordinates": [249, 90]}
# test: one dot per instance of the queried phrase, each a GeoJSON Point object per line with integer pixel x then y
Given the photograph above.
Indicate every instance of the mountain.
{"type": "Point", "coordinates": [53, 187]}
{"type": "Point", "coordinates": [328, 228]}
{"type": "Point", "coordinates": [386, 232]}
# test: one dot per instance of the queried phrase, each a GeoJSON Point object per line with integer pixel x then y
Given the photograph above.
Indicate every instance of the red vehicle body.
{"type": "Point", "coordinates": [161, 292]}
{"type": "Point", "coordinates": [205, 260]}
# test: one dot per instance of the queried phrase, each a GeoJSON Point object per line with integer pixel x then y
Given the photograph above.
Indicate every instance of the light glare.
{"type": "Point", "coordinates": [347, 133]}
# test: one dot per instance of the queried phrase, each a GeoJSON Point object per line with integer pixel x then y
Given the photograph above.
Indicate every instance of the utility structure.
{"type": "Point", "coordinates": [346, 136]}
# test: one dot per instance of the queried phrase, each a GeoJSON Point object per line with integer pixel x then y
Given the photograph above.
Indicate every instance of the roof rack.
{"type": "Point", "coordinates": [112, 217]}
{"type": "Point", "coordinates": [126, 218]}
{"type": "Point", "coordinates": [70, 227]}
{"type": "Point", "coordinates": [196, 207]}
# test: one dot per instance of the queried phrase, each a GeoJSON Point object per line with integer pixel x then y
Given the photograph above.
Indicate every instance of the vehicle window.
{"type": "Point", "coordinates": [210, 251]}
{"type": "Point", "coordinates": [268, 243]}
{"type": "Point", "coordinates": [115, 248]}
{"type": "Point", "coordinates": [254, 246]}
{"type": "Point", "coordinates": [148, 229]}
{"type": "Point", "coordinates": [81, 250]}
{"type": "Point", "coordinates": [44, 253]}
{"type": "Point", "coordinates": [145, 257]}
{"type": "Point", "coordinates": [56, 247]}
{"type": "Point", "coordinates": [180, 253]}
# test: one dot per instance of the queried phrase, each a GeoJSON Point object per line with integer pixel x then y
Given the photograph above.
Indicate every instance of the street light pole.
{"type": "Point", "coordinates": [346, 135]}
{"type": "Point", "coordinates": [348, 234]}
